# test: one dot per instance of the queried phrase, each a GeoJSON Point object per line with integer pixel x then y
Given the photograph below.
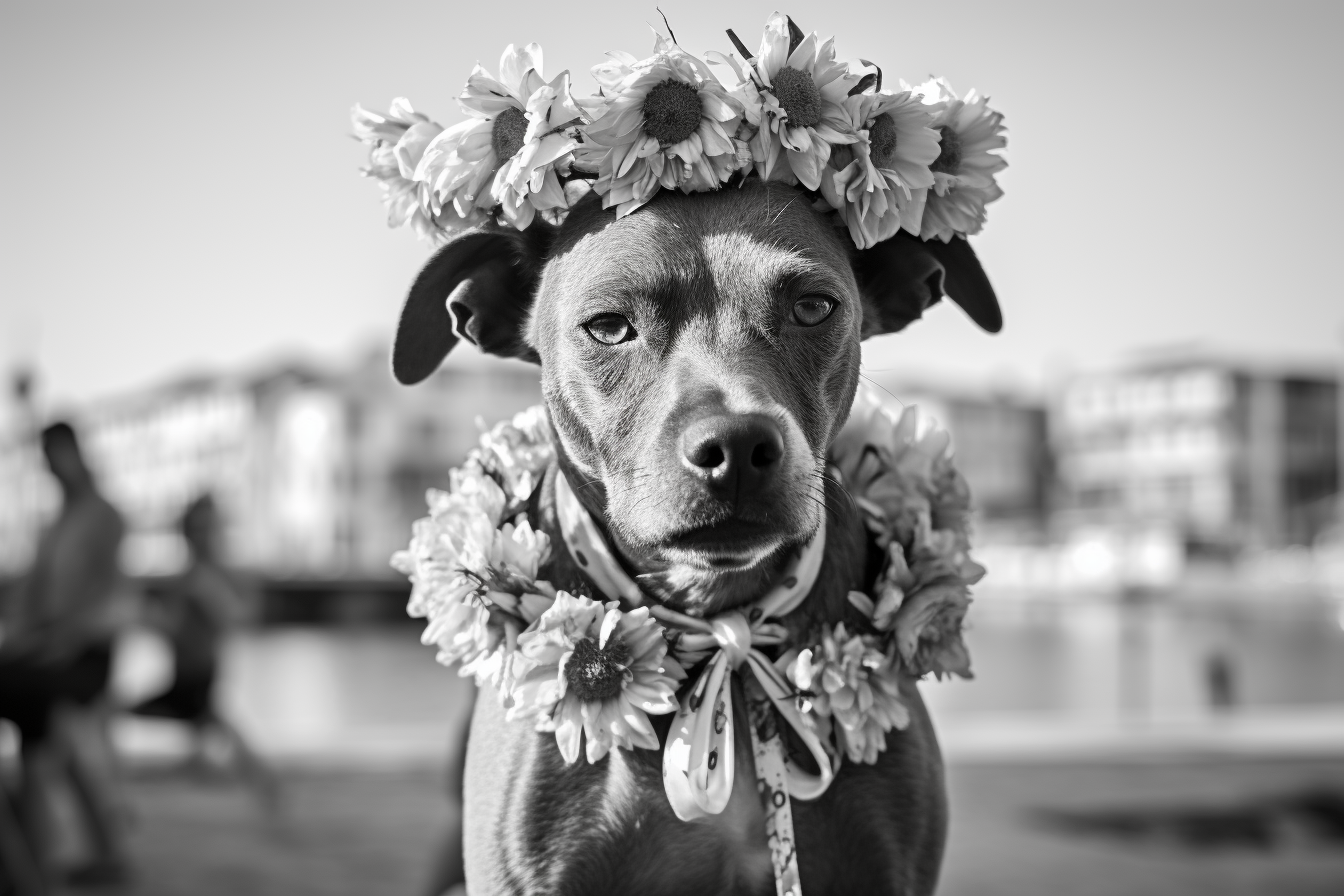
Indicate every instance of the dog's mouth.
{"type": "Point", "coordinates": [728, 546]}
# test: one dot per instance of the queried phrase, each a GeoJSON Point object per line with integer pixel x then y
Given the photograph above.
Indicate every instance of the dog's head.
{"type": "Point", "coordinates": [698, 357]}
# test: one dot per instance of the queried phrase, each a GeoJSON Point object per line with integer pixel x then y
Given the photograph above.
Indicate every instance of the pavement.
{"type": "Point", "coordinates": [1180, 826]}
{"type": "Point", "coordinates": [337, 833]}
{"type": "Point", "coordinates": [1186, 825]}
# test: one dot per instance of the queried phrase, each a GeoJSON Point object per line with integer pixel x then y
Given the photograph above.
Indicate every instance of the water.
{"type": "Point", "coordinates": [375, 693]}
{"type": "Point", "coordinates": [1158, 657]}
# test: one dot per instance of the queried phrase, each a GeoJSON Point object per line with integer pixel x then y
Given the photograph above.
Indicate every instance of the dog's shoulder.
{"type": "Point", "coordinates": [534, 824]}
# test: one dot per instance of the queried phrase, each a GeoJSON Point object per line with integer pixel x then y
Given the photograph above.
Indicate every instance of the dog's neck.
{"type": "Point", "coordinates": [691, 589]}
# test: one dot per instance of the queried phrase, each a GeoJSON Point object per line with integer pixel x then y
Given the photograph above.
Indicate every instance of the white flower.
{"type": "Point", "coordinates": [854, 684]}
{"type": "Point", "coordinates": [451, 551]}
{"type": "Point", "coordinates": [457, 535]}
{"type": "Point", "coordinates": [586, 668]}
{"type": "Point", "coordinates": [798, 105]}
{"type": "Point", "coordinates": [493, 667]}
{"type": "Point", "coordinates": [470, 484]}
{"type": "Point", "coordinates": [878, 184]}
{"type": "Point", "coordinates": [397, 142]}
{"type": "Point", "coordinates": [509, 582]}
{"type": "Point", "coordinates": [519, 450]}
{"type": "Point", "coordinates": [461, 630]}
{"type": "Point", "coordinates": [519, 548]}
{"type": "Point", "coordinates": [964, 171]}
{"type": "Point", "coordinates": [665, 122]}
{"type": "Point", "coordinates": [508, 153]}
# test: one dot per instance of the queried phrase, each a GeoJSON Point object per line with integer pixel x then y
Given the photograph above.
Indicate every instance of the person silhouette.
{"type": "Point", "coordinates": [57, 651]}
{"type": "Point", "coordinates": [194, 611]}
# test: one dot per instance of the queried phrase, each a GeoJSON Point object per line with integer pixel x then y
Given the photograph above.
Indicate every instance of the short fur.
{"type": "Point", "coordinates": [708, 283]}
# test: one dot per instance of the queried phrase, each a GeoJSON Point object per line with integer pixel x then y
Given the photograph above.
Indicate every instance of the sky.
{"type": "Point", "coordinates": [182, 192]}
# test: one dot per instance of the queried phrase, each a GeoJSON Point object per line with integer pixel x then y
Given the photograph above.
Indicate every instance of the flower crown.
{"type": "Point", "coordinates": [920, 159]}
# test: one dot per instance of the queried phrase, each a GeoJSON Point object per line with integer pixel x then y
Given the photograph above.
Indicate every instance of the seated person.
{"type": "Point", "coordinates": [194, 611]}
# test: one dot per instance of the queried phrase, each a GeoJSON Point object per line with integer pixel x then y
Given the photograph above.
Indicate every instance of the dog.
{"type": "Point", "coordinates": [697, 358]}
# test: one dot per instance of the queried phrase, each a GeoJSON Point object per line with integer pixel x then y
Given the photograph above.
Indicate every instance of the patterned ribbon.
{"type": "Point", "coordinates": [699, 758]}
{"type": "Point", "coordinates": [772, 769]}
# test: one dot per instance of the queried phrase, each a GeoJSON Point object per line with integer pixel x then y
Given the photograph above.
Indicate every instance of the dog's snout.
{"type": "Point", "coordinates": [734, 454]}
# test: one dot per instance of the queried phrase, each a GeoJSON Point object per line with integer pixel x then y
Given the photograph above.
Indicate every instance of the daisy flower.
{"type": "Point", "coordinates": [508, 153]}
{"type": "Point", "coordinates": [966, 165]}
{"type": "Point", "coordinates": [878, 184]}
{"type": "Point", "coordinates": [798, 106]}
{"type": "Point", "coordinates": [665, 122]}
{"type": "Point", "coordinates": [397, 142]}
{"type": "Point", "coordinates": [586, 668]}
{"type": "Point", "coordinates": [483, 634]}
{"type": "Point", "coordinates": [854, 684]}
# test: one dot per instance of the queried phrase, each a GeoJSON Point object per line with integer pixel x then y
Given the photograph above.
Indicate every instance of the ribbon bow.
{"type": "Point", "coordinates": [698, 761]}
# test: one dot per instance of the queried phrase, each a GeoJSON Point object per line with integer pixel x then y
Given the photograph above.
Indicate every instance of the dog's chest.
{"type": "Point", "coordinates": [537, 825]}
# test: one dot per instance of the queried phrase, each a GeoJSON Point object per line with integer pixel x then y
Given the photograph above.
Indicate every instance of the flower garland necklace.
{"type": "Point", "coordinates": [594, 671]}
{"type": "Point", "coordinates": [921, 159]}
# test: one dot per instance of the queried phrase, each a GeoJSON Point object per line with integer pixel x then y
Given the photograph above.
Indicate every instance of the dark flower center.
{"type": "Point", "coordinates": [949, 152]}
{"type": "Point", "coordinates": [882, 140]}
{"type": "Point", "coordinates": [671, 111]}
{"type": "Point", "coordinates": [507, 133]}
{"type": "Point", "coordinates": [799, 95]}
{"type": "Point", "coordinates": [596, 673]}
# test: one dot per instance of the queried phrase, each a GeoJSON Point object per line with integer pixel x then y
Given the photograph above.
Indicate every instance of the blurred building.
{"type": "Point", "coordinates": [318, 472]}
{"type": "Point", "coordinates": [1232, 455]}
{"type": "Point", "coordinates": [1002, 447]}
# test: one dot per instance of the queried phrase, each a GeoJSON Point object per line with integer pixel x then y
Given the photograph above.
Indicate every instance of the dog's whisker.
{"type": "Point", "coordinates": [844, 492]}
{"type": "Point", "coordinates": [878, 385]}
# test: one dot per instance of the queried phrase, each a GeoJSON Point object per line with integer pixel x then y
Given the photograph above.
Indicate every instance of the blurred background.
{"type": "Point", "coordinates": [194, 274]}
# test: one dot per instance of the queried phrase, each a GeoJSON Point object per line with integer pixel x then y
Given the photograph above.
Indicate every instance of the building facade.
{"type": "Point", "coordinates": [316, 472]}
{"type": "Point", "coordinates": [1231, 455]}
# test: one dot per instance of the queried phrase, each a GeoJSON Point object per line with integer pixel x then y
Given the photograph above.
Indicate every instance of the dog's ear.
{"type": "Point", "coordinates": [479, 287]}
{"type": "Point", "coordinates": [902, 276]}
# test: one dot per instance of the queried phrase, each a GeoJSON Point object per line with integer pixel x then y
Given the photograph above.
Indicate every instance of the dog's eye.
{"type": "Point", "coordinates": [812, 310]}
{"type": "Point", "coordinates": [610, 329]}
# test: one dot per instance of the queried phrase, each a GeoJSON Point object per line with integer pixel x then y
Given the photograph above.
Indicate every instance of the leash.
{"type": "Point", "coordinates": [699, 757]}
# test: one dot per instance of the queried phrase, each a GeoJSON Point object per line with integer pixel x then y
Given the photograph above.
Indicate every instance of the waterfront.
{"type": "Point", "coordinates": [1096, 669]}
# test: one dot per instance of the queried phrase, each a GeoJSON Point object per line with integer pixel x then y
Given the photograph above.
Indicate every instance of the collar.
{"type": "Point", "coordinates": [699, 757]}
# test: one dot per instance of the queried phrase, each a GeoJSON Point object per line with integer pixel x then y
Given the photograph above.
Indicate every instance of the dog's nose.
{"type": "Point", "coordinates": [736, 454]}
